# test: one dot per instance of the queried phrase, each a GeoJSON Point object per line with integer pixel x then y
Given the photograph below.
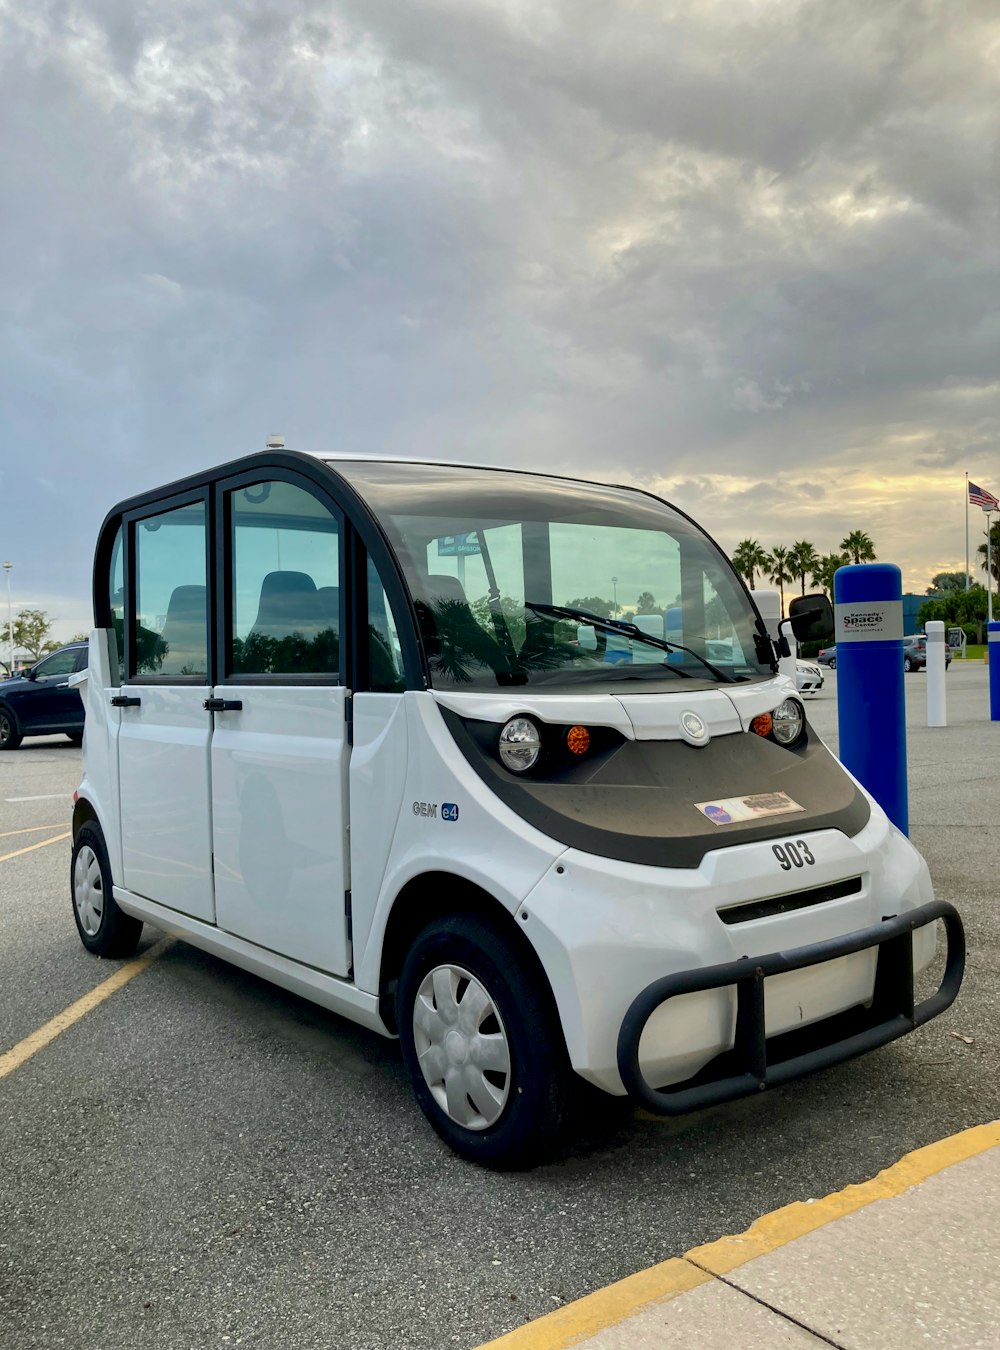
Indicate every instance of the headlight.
{"type": "Point", "coordinates": [788, 722]}
{"type": "Point", "coordinates": [520, 745]}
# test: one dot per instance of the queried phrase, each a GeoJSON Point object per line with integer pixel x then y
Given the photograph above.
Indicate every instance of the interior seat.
{"type": "Point", "coordinates": [185, 632]}
{"type": "Point", "coordinates": [288, 604]}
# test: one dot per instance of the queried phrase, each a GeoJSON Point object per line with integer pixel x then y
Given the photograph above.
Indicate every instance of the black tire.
{"type": "Point", "coordinates": [833, 663]}
{"type": "Point", "coordinates": [10, 736]}
{"type": "Point", "coordinates": [104, 928]}
{"type": "Point", "coordinates": [907, 664]}
{"type": "Point", "coordinates": [539, 1082]}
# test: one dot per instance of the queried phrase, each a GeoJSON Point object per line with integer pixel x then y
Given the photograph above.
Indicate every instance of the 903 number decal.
{"type": "Point", "coordinates": [797, 854]}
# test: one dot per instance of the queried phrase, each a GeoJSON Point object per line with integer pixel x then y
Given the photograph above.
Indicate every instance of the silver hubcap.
{"type": "Point", "coordinates": [88, 892]}
{"type": "Point", "coordinates": [4, 726]}
{"type": "Point", "coordinates": [462, 1047]}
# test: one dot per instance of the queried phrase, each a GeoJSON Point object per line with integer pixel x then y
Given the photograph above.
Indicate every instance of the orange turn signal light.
{"type": "Point", "coordinates": [578, 740]}
{"type": "Point", "coordinates": [762, 724]}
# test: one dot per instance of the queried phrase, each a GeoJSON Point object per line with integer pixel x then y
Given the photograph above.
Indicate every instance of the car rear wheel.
{"type": "Point", "coordinates": [482, 1043]}
{"type": "Point", "coordinates": [833, 663]}
{"type": "Point", "coordinates": [105, 929]}
{"type": "Point", "coordinates": [907, 664]}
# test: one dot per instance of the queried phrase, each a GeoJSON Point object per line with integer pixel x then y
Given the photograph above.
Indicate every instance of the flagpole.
{"type": "Point", "coordinates": [989, 569]}
{"type": "Point", "coordinates": [966, 531]}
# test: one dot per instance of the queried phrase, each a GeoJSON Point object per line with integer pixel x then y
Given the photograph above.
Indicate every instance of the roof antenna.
{"type": "Point", "coordinates": [275, 443]}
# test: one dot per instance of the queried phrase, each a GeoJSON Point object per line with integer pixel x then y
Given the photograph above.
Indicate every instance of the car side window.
{"type": "Point", "coordinates": [59, 663]}
{"type": "Point", "coordinates": [285, 597]}
{"type": "Point", "coordinates": [170, 634]}
{"type": "Point", "coordinates": [385, 657]}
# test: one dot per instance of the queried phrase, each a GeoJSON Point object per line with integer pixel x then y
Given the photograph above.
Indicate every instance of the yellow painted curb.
{"type": "Point", "coordinates": [45, 1035]}
{"type": "Point", "coordinates": [796, 1220]}
{"type": "Point", "coordinates": [607, 1307]}
{"type": "Point", "coordinates": [587, 1316]}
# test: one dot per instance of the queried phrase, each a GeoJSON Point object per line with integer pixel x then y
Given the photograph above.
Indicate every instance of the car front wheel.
{"type": "Point", "coordinates": [10, 737]}
{"type": "Point", "coordinates": [482, 1043]}
{"type": "Point", "coordinates": [104, 928]}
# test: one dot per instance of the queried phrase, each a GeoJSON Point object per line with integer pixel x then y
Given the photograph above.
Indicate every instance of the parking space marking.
{"type": "Point", "coordinates": [31, 829]}
{"type": "Point", "coordinates": [43, 797]}
{"type": "Point", "coordinates": [587, 1316]}
{"type": "Point", "coordinates": [45, 1035]}
{"type": "Point", "coordinates": [6, 857]}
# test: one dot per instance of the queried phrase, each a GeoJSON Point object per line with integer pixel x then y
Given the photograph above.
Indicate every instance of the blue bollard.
{"type": "Point", "coordinates": [993, 656]}
{"type": "Point", "coordinates": [871, 712]}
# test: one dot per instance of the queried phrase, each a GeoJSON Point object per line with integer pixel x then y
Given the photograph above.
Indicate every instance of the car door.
{"type": "Point", "coordinates": [47, 701]}
{"type": "Point", "coordinates": [165, 733]}
{"type": "Point", "coordinates": [279, 750]}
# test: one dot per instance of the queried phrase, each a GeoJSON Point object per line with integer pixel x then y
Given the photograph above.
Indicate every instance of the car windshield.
{"type": "Point", "coordinates": [488, 555]}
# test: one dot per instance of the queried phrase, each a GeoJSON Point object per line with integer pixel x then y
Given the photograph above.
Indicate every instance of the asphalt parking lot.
{"type": "Point", "coordinates": [203, 1160]}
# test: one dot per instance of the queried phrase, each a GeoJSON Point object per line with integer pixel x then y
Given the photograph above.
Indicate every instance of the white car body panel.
{"type": "Point", "coordinates": [602, 929]}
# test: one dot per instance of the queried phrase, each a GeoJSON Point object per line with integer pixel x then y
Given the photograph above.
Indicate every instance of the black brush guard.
{"type": "Point", "coordinates": [756, 1063]}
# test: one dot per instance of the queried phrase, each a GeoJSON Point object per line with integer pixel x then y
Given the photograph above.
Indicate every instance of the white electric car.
{"type": "Point", "coordinates": [366, 728]}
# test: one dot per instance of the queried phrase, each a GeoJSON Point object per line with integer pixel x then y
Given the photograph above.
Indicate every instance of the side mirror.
{"type": "Point", "coordinates": [811, 617]}
{"type": "Point", "coordinates": [30, 674]}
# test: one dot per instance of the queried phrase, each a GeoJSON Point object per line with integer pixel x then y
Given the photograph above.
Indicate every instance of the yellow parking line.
{"type": "Point", "coordinates": [38, 1040]}
{"type": "Point", "coordinates": [6, 857]}
{"type": "Point", "coordinates": [32, 829]}
{"type": "Point", "coordinates": [605, 1308]}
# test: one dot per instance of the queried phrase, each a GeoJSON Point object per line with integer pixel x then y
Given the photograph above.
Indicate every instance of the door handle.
{"type": "Point", "coordinates": [223, 705]}
{"type": "Point", "coordinates": [63, 685]}
{"type": "Point", "coordinates": [121, 701]}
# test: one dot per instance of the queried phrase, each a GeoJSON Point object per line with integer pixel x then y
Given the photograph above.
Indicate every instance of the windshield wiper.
{"type": "Point", "coordinates": [629, 630]}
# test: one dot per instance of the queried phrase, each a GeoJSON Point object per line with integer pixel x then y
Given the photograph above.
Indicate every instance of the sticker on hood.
{"type": "Point", "coordinates": [729, 810]}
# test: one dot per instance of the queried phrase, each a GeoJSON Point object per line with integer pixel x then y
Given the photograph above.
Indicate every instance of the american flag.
{"type": "Point", "coordinates": [980, 497]}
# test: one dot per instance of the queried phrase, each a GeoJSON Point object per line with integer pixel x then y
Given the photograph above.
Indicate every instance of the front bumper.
{"type": "Point", "coordinates": [755, 1062]}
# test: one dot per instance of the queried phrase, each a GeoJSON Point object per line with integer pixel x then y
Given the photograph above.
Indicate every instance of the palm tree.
{"type": "Point", "coordinates": [859, 546]}
{"type": "Point", "coordinates": [749, 558]}
{"type": "Point", "coordinates": [803, 558]}
{"type": "Point", "coordinates": [779, 571]}
{"type": "Point", "coordinates": [994, 551]}
{"type": "Point", "coordinates": [822, 573]}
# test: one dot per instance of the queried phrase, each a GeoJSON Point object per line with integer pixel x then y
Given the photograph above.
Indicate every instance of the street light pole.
{"type": "Point", "coordinates": [614, 582]}
{"type": "Point", "coordinates": [8, 567]}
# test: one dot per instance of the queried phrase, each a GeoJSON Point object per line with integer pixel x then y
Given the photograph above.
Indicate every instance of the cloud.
{"type": "Point", "coordinates": [753, 245]}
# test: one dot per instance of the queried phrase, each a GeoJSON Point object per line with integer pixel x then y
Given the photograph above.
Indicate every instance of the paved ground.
{"type": "Point", "coordinates": [206, 1161]}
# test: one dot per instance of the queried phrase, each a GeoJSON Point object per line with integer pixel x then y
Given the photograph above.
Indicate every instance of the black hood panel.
{"type": "Point", "coordinates": [638, 804]}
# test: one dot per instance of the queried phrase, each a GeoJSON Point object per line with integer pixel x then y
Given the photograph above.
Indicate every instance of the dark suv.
{"type": "Point", "coordinates": [915, 653]}
{"type": "Point", "coordinates": [40, 702]}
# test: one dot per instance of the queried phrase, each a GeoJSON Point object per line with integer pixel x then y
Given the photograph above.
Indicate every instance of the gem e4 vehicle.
{"type": "Point", "coordinates": [366, 728]}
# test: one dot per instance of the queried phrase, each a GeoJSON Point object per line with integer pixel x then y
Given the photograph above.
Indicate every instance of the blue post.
{"type": "Point", "coordinates": [993, 656]}
{"type": "Point", "coordinates": [871, 712]}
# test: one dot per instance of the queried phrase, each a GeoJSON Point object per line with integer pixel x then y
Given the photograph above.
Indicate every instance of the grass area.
{"type": "Point", "coordinates": [972, 652]}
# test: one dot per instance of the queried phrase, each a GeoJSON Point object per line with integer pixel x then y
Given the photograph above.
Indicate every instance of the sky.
{"type": "Point", "coordinates": [745, 253]}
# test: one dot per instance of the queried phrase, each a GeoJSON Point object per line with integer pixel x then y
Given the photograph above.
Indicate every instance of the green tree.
{"type": "Point", "coordinates": [31, 632]}
{"type": "Point", "coordinates": [779, 571]}
{"type": "Point", "coordinates": [593, 603]}
{"type": "Point", "coordinates": [822, 573]}
{"type": "Point", "coordinates": [646, 604]}
{"type": "Point", "coordinates": [994, 551]}
{"type": "Point", "coordinates": [859, 547]}
{"type": "Point", "coordinates": [948, 583]}
{"type": "Point", "coordinates": [749, 558]}
{"type": "Point", "coordinates": [967, 609]}
{"type": "Point", "coordinates": [803, 558]}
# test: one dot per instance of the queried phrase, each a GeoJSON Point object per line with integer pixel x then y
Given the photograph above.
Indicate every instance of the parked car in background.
{"type": "Point", "coordinates": [40, 702]}
{"type": "Point", "coordinates": [915, 653]}
{"type": "Point", "coordinates": [827, 656]}
{"type": "Point", "coordinates": [808, 677]}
